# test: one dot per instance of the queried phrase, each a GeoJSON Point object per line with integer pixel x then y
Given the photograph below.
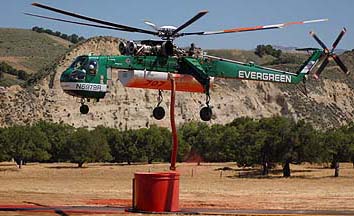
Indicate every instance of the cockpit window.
{"type": "Point", "coordinates": [79, 62]}
{"type": "Point", "coordinates": [78, 74]}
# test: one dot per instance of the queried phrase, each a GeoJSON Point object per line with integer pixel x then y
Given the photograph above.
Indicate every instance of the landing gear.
{"type": "Point", "coordinates": [84, 109]}
{"type": "Point", "coordinates": [159, 112]}
{"type": "Point", "coordinates": [206, 112]}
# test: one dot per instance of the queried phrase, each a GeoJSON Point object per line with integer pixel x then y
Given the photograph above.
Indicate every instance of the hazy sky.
{"type": "Point", "coordinates": [222, 14]}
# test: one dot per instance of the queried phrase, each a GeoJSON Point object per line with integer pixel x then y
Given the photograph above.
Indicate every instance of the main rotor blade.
{"type": "Point", "coordinates": [341, 34]}
{"type": "Point", "coordinates": [121, 27]}
{"type": "Point", "coordinates": [192, 20]}
{"type": "Point", "coordinates": [152, 25]}
{"type": "Point", "coordinates": [340, 63]}
{"type": "Point", "coordinates": [254, 28]}
{"type": "Point", "coordinates": [73, 22]}
{"type": "Point", "coordinates": [320, 69]}
{"type": "Point", "coordinates": [313, 34]}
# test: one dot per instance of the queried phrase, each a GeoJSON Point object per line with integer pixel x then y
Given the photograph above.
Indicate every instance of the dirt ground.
{"type": "Point", "coordinates": [210, 185]}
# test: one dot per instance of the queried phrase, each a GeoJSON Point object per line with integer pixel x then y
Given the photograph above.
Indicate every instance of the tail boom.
{"type": "Point", "coordinates": [225, 68]}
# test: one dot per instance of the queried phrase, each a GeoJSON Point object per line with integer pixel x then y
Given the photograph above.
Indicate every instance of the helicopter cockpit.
{"type": "Point", "coordinates": [76, 71]}
{"type": "Point", "coordinates": [79, 69]}
{"type": "Point", "coordinates": [83, 79]}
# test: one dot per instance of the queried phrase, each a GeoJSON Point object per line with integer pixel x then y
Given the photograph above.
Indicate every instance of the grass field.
{"type": "Point", "coordinates": [205, 186]}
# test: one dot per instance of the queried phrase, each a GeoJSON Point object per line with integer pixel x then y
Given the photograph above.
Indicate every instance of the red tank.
{"type": "Point", "coordinates": [156, 191]}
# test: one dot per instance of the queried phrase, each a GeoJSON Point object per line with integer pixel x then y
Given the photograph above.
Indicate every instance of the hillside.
{"type": "Point", "coordinates": [28, 50]}
{"type": "Point", "coordinates": [330, 101]}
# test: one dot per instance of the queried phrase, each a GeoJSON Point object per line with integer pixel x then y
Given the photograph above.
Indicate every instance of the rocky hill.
{"type": "Point", "coordinates": [330, 101]}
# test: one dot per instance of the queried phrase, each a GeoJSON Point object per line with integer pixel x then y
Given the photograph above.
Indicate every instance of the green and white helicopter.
{"type": "Point", "coordinates": [149, 63]}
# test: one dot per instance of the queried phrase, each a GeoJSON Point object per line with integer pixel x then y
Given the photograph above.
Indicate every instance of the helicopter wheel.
{"type": "Point", "coordinates": [206, 113]}
{"type": "Point", "coordinates": [158, 113]}
{"type": "Point", "coordinates": [84, 109]}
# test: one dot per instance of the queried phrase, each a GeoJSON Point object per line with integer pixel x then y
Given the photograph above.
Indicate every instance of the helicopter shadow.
{"type": "Point", "coordinates": [67, 167]}
{"type": "Point", "coordinates": [254, 173]}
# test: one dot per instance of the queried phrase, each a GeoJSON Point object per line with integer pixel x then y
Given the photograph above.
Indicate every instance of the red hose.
{"type": "Point", "coordinates": [173, 124]}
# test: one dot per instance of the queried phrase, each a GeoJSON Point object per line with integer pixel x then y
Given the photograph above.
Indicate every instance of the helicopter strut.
{"type": "Point", "coordinates": [84, 109]}
{"type": "Point", "coordinates": [159, 111]}
{"type": "Point", "coordinates": [206, 112]}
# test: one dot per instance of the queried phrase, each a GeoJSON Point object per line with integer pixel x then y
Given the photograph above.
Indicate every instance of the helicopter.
{"type": "Point", "coordinates": [148, 63]}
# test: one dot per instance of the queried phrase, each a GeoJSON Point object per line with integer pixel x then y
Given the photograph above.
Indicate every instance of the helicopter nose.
{"type": "Point", "coordinates": [65, 76]}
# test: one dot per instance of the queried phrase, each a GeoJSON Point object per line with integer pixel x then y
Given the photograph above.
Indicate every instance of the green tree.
{"type": "Point", "coordinates": [207, 142]}
{"type": "Point", "coordinates": [338, 143]}
{"type": "Point", "coordinates": [273, 138]}
{"type": "Point", "coordinates": [57, 135]}
{"type": "Point", "coordinates": [183, 147]}
{"type": "Point", "coordinates": [350, 133]}
{"type": "Point", "coordinates": [262, 50]}
{"type": "Point", "coordinates": [215, 150]}
{"type": "Point", "coordinates": [48, 31]}
{"type": "Point", "coordinates": [228, 143]}
{"type": "Point", "coordinates": [21, 74]}
{"type": "Point", "coordinates": [156, 143]}
{"type": "Point", "coordinates": [203, 144]}
{"type": "Point", "coordinates": [35, 28]}
{"type": "Point", "coordinates": [64, 36]}
{"type": "Point", "coordinates": [4, 145]}
{"type": "Point", "coordinates": [188, 133]}
{"type": "Point", "coordinates": [130, 151]}
{"type": "Point", "coordinates": [81, 38]}
{"type": "Point", "coordinates": [284, 141]}
{"type": "Point", "coordinates": [87, 146]}
{"type": "Point", "coordinates": [285, 146]}
{"type": "Point", "coordinates": [115, 140]}
{"type": "Point", "coordinates": [117, 147]}
{"type": "Point", "coordinates": [246, 150]}
{"type": "Point", "coordinates": [27, 143]}
{"type": "Point", "coordinates": [307, 144]}
{"type": "Point", "coordinates": [74, 38]}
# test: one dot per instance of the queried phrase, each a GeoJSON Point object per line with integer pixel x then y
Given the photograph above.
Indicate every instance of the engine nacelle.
{"type": "Point", "coordinates": [148, 47]}
{"type": "Point", "coordinates": [131, 48]}
{"type": "Point", "coordinates": [122, 48]}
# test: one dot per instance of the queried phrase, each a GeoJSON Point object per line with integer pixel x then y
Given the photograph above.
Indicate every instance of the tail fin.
{"type": "Point", "coordinates": [311, 62]}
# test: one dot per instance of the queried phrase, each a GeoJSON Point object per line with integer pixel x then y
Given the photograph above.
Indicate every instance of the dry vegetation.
{"type": "Point", "coordinates": [207, 186]}
{"type": "Point", "coordinates": [29, 51]}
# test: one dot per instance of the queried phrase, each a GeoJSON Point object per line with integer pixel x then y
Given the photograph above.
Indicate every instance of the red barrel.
{"type": "Point", "coordinates": [156, 191]}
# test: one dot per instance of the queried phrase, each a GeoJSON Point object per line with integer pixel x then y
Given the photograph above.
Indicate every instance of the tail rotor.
{"type": "Point", "coordinates": [340, 64]}
{"type": "Point", "coordinates": [330, 54]}
{"type": "Point", "coordinates": [324, 63]}
{"type": "Point", "coordinates": [341, 34]}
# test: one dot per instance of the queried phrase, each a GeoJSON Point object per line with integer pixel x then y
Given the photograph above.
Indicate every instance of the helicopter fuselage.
{"type": "Point", "coordinates": [89, 76]}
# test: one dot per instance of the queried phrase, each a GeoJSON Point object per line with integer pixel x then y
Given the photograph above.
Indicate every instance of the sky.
{"type": "Point", "coordinates": [223, 14]}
